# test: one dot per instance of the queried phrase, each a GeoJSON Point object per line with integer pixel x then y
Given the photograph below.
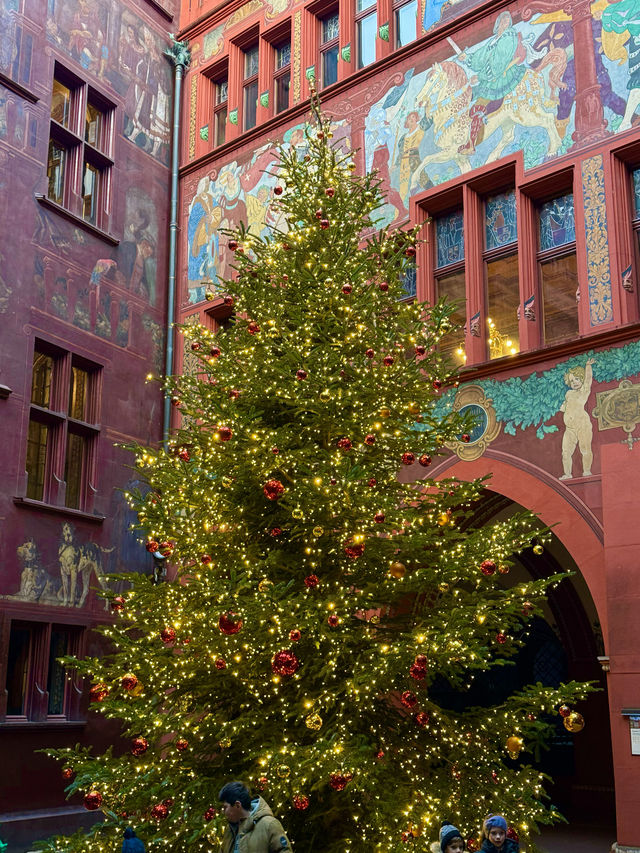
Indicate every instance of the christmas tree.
{"type": "Point", "coordinates": [320, 610]}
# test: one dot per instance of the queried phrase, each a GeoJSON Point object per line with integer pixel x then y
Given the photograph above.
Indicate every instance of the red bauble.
{"type": "Point", "coordinates": [233, 245]}
{"type": "Point", "coordinates": [301, 374]}
{"type": "Point", "coordinates": [527, 607]}
{"type": "Point", "coordinates": [118, 603]}
{"type": "Point", "coordinates": [380, 754]}
{"type": "Point", "coordinates": [230, 623]}
{"type": "Point", "coordinates": [422, 719]}
{"type": "Point", "coordinates": [176, 401]}
{"type": "Point", "coordinates": [311, 581]}
{"type": "Point", "coordinates": [183, 455]}
{"type": "Point", "coordinates": [182, 744]}
{"type": "Point", "coordinates": [353, 549]}
{"type": "Point", "coordinates": [418, 672]}
{"type": "Point", "coordinates": [379, 517]}
{"type": "Point", "coordinates": [465, 437]}
{"type": "Point", "coordinates": [295, 634]}
{"type": "Point", "coordinates": [384, 286]}
{"type": "Point", "coordinates": [472, 844]}
{"type": "Point", "coordinates": [262, 782]}
{"type": "Point", "coordinates": [228, 300]}
{"type": "Point", "coordinates": [205, 559]}
{"type": "Point", "coordinates": [501, 638]}
{"type": "Point", "coordinates": [503, 570]}
{"type": "Point", "coordinates": [371, 482]}
{"type": "Point", "coordinates": [99, 692]}
{"type": "Point", "coordinates": [346, 289]}
{"type": "Point", "coordinates": [436, 384]}
{"type": "Point", "coordinates": [531, 717]}
{"type": "Point", "coordinates": [285, 663]}
{"type": "Point", "coordinates": [324, 223]}
{"type": "Point", "coordinates": [333, 620]}
{"type": "Point", "coordinates": [168, 635]}
{"type": "Point", "coordinates": [275, 450]}
{"type": "Point", "coordinates": [319, 213]}
{"type": "Point", "coordinates": [277, 190]}
{"type": "Point", "coordinates": [564, 710]}
{"type": "Point", "coordinates": [210, 813]}
{"type": "Point", "coordinates": [388, 360]}
{"type": "Point", "coordinates": [253, 328]}
{"type": "Point", "coordinates": [195, 346]}
{"type": "Point", "coordinates": [488, 567]}
{"type": "Point", "coordinates": [139, 745]}
{"type": "Point", "coordinates": [409, 699]}
{"type": "Point", "coordinates": [339, 781]}
{"type": "Point", "coordinates": [345, 444]}
{"type": "Point", "coordinates": [224, 433]}
{"type": "Point", "coordinates": [420, 349]}
{"type": "Point", "coordinates": [159, 811]}
{"type": "Point", "coordinates": [494, 777]}
{"type": "Point", "coordinates": [234, 393]}
{"type": "Point", "coordinates": [370, 439]}
{"type": "Point", "coordinates": [275, 531]}
{"type": "Point", "coordinates": [330, 192]}
{"type": "Point", "coordinates": [273, 489]}
{"type": "Point", "coordinates": [215, 352]}
{"type": "Point", "coordinates": [67, 773]}
{"type": "Point", "coordinates": [301, 802]}
{"type": "Point", "coordinates": [166, 548]}
{"type": "Point", "coordinates": [129, 681]}
{"type": "Point", "coordinates": [92, 801]}
{"type": "Point", "coordinates": [512, 834]}
{"type": "Point", "coordinates": [369, 353]}
{"type": "Point", "coordinates": [421, 660]}
{"type": "Point", "coordinates": [410, 252]}
{"type": "Point", "coordinates": [408, 458]}
{"type": "Point", "coordinates": [152, 546]}
{"type": "Point", "coordinates": [220, 663]}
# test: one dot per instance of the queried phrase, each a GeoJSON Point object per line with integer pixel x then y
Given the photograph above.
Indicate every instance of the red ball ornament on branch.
{"type": "Point", "coordinates": [424, 460]}
{"type": "Point", "coordinates": [92, 801]}
{"type": "Point", "coordinates": [209, 814]}
{"type": "Point", "coordinates": [99, 692]}
{"type": "Point", "coordinates": [295, 634]}
{"type": "Point", "coordinates": [262, 783]}
{"type": "Point", "coordinates": [417, 672]}
{"type": "Point", "coordinates": [527, 608]}
{"type": "Point", "coordinates": [220, 663]}
{"type": "Point", "coordinates": [277, 190]}
{"type": "Point", "coordinates": [168, 635]}
{"type": "Point", "coordinates": [384, 286]}
{"type": "Point", "coordinates": [139, 745]}
{"type": "Point", "coordinates": [253, 328]}
{"type": "Point", "coordinates": [324, 224]}
{"type": "Point", "coordinates": [311, 581]}
{"type": "Point", "coordinates": [224, 433]}
{"type": "Point", "coordinates": [339, 781]}
{"type": "Point", "coordinates": [214, 352]}
{"type": "Point", "coordinates": [333, 620]}
{"type": "Point", "coordinates": [195, 346]}
{"type": "Point", "coordinates": [301, 802]}
{"type": "Point", "coordinates": [436, 384]}
{"type": "Point", "coordinates": [118, 603]}
{"type": "Point", "coordinates": [275, 531]}
{"type": "Point", "coordinates": [228, 301]}
{"type": "Point", "coordinates": [152, 546]}
{"type": "Point", "coordinates": [205, 559]}
{"type": "Point", "coordinates": [233, 245]}
{"type": "Point", "coordinates": [409, 699]}
{"type": "Point", "coordinates": [564, 710]}
{"type": "Point", "coordinates": [420, 349]}
{"type": "Point", "coordinates": [501, 638]}
{"type": "Point", "coordinates": [512, 834]}
{"type": "Point", "coordinates": [67, 773]}
{"type": "Point", "coordinates": [129, 681]}
{"type": "Point", "coordinates": [230, 623]}
{"type": "Point", "coordinates": [369, 353]}
{"type": "Point", "coordinates": [319, 214]}
{"type": "Point", "coordinates": [472, 844]}
{"type": "Point", "coordinates": [370, 439]}
{"type": "Point", "coordinates": [166, 548]}
{"type": "Point", "coordinates": [329, 192]}
{"type": "Point", "coordinates": [273, 490]}
{"type": "Point", "coordinates": [421, 660]}
{"type": "Point", "coordinates": [234, 393]}
{"type": "Point", "coordinates": [422, 719]}
{"type": "Point", "coordinates": [379, 518]}
{"type": "Point", "coordinates": [344, 444]}
{"type": "Point", "coordinates": [410, 251]}
{"type": "Point", "coordinates": [353, 549]}
{"type": "Point", "coordinates": [346, 289]}
{"type": "Point", "coordinates": [371, 482]}
{"type": "Point", "coordinates": [182, 744]}
{"type": "Point", "coordinates": [488, 567]}
{"type": "Point", "coordinates": [388, 360]}
{"type": "Point", "coordinates": [285, 663]}
{"type": "Point", "coordinates": [301, 374]}
{"type": "Point", "coordinates": [159, 811]}
{"type": "Point", "coordinates": [183, 455]}
{"type": "Point", "coordinates": [408, 458]}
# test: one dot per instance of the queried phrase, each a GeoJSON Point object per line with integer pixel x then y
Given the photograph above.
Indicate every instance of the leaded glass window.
{"type": "Point", "coordinates": [557, 222]}
{"type": "Point", "coordinates": [500, 220]}
{"type": "Point", "coordinates": [449, 239]}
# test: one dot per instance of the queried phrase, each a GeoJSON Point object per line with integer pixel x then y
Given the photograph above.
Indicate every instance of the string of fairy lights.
{"type": "Point", "coordinates": [319, 601]}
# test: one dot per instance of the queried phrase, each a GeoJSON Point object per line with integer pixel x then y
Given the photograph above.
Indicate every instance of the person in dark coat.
{"type": "Point", "coordinates": [451, 841]}
{"type": "Point", "coordinates": [132, 843]}
{"type": "Point", "coordinates": [494, 831]}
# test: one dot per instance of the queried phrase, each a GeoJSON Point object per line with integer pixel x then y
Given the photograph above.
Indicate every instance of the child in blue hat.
{"type": "Point", "coordinates": [494, 831]}
{"type": "Point", "coordinates": [451, 841]}
{"type": "Point", "coordinates": [132, 843]}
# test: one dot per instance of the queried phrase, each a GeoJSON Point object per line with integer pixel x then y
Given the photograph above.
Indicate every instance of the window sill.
{"type": "Point", "coordinates": [77, 220]}
{"type": "Point", "coordinates": [10, 84]}
{"type": "Point", "coordinates": [43, 724]}
{"type": "Point", "coordinates": [62, 510]}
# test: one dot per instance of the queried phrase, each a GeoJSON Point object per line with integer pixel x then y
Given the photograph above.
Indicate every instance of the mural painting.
{"type": "Point", "coordinates": [118, 47]}
{"type": "Point", "coordinates": [561, 393]}
{"type": "Point", "coordinates": [241, 192]}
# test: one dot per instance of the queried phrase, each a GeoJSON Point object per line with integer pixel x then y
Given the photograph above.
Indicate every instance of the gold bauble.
{"type": "Point", "coordinates": [574, 722]}
{"type": "Point", "coordinates": [283, 771]}
{"type": "Point", "coordinates": [225, 743]}
{"type": "Point", "coordinates": [325, 395]}
{"type": "Point", "coordinates": [538, 549]}
{"type": "Point", "coordinates": [227, 482]}
{"type": "Point", "coordinates": [443, 519]}
{"type": "Point", "coordinates": [443, 587]}
{"type": "Point", "coordinates": [384, 412]}
{"type": "Point", "coordinates": [313, 722]}
{"type": "Point", "coordinates": [374, 619]}
{"type": "Point", "coordinates": [210, 296]}
{"type": "Point", "coordinates": [297, 513]}
{"type": "Point", "coordinates": [515, 746]}
{"type": "Point", "coordinates": [265, 584]}
{"type": "Point", "coordinates": [414, 408]}
{"type": "Point", "coordinates": [318, 531]}
{"type": "Point", "coordinates": [397, 570]}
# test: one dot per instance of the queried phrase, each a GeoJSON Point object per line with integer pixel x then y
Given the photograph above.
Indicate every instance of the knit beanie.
{"type": "Point", "coordinates": [495, 821]}
{"type": "Point", "coordinates": [447, 833]}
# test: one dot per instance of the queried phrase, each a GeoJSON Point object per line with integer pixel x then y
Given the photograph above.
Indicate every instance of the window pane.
{"type": "Point", "coordinates": [636, 192]}
{"type": "Point", "coordinates": [408, 280]}
{"type": "Point", "coordinates": [282, 92]}
{"type": "Point", "coordinates": [55, 172]}
{"type": "Point", "coordinates": [93, 126]}
{"type": "Point", "coordinates": [406, 23]}
{"type": "Point", "coordinates": [361, 5]}
{"type": "Point", "coordinates": [61, 103]}
{"type": "Point", "coordinates": [367, 32]}
{"type": "Point", "coordinates": [41, 379]}
{"type": "Point", "coordinates": [90, 193]}
{"type": "Point", "coordinates": [222, 91]}
{"type": "Point", "coordinates": [559, 304]}
{"type": "Point", "coordinates": [73, 467]}
{"type": "Point", "coordinates": [453, 288]}
{"type": "Point", "coordinates": [250, 105]}
{"type": "Point", "coordinates": [36, 460]}
{"type": "Point", "coordinates": [251, 62]}
{"type": "Point", "coordinates": [330, 66]}
{"type": "Point", "coordinates": [502, 303]}
{"type": "Point", "coordinates": [330, 28]}
{"type": "Point", "coordinates": [18, 670]}
{"type": "Point", "coordinates": [500, 219]}
{"type": "Point", "coordinates": [283, 55]}
{"type": "Point", "coordinates": [221, 126]}
{"type": "Point", "coordinates": [449, 239]}
{"type": "Point", "coordinates": [78, 389]}
{"type": "Point", "coordinates": [56, 677]}
{"type": "Point", "coordinates": [557, 224]}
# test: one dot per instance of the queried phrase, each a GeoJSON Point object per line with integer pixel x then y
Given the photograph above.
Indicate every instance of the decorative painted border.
{"type": "Point", "coordinates": [193, 103]}
{"type": "Point", "coordinates": [598, 265]}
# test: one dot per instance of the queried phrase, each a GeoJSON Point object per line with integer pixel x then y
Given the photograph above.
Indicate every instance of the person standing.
{"type": "Point", "coordinates": [252, 828]}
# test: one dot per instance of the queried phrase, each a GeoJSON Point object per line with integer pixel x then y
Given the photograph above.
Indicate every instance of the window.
{"type": "Point", "coordinates": [37, 687]}
{"type": "Point", "coordinates": [329, 46]}
{"type": "Point", "coordinates": [220, 107]}
{"type": "Point", "coordinates": [282, 76]}
{"type": "Point", "coordinates": [409, 283]}
{"type": "Point", "coordinates": [79, 162]}
{"type": "Point", "coordinates": [450, 279]}
{"type": "Point", "coordinates": [501, 273]}
{"type": "Point", "coordinates": [636, 205]}
{"type": "Point", "coordinates": [63, 429]}
{"type": "Point", "coordinates": [405, 17]}
{"type": "Point", "coordinates": [558, 269]}
{"type": "Point", "coordinates": [250, 87]}
{"type": "Point", "coordinates": [366, 31]}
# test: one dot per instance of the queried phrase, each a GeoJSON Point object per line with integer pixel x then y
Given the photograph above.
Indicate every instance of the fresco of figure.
{"type": "Point", "coordinates": [621, 42]}
{"type": "Point", "coordinates": [578, 430]}
{"type": "Point", "coordinates": [408, 156]}
{"type": "Point", "coordinates": [205, 218]}
{"type": "Point", "coordinates": [87, 41]}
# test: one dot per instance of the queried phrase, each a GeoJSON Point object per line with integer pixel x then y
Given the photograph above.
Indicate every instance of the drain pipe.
{"type": "Point", "coordinates": [180, 55]}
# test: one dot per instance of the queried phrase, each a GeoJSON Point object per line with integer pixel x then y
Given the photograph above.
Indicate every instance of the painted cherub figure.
{"type": "Point", "coordinates": [578, 430]}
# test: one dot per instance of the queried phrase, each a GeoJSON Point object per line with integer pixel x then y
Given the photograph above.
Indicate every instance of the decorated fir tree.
{"type": "Point", "coordinates": [320, 610]}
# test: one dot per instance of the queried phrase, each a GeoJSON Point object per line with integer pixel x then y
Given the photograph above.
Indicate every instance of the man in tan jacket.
{"type": "Point", "coordinates": [252, 825]}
